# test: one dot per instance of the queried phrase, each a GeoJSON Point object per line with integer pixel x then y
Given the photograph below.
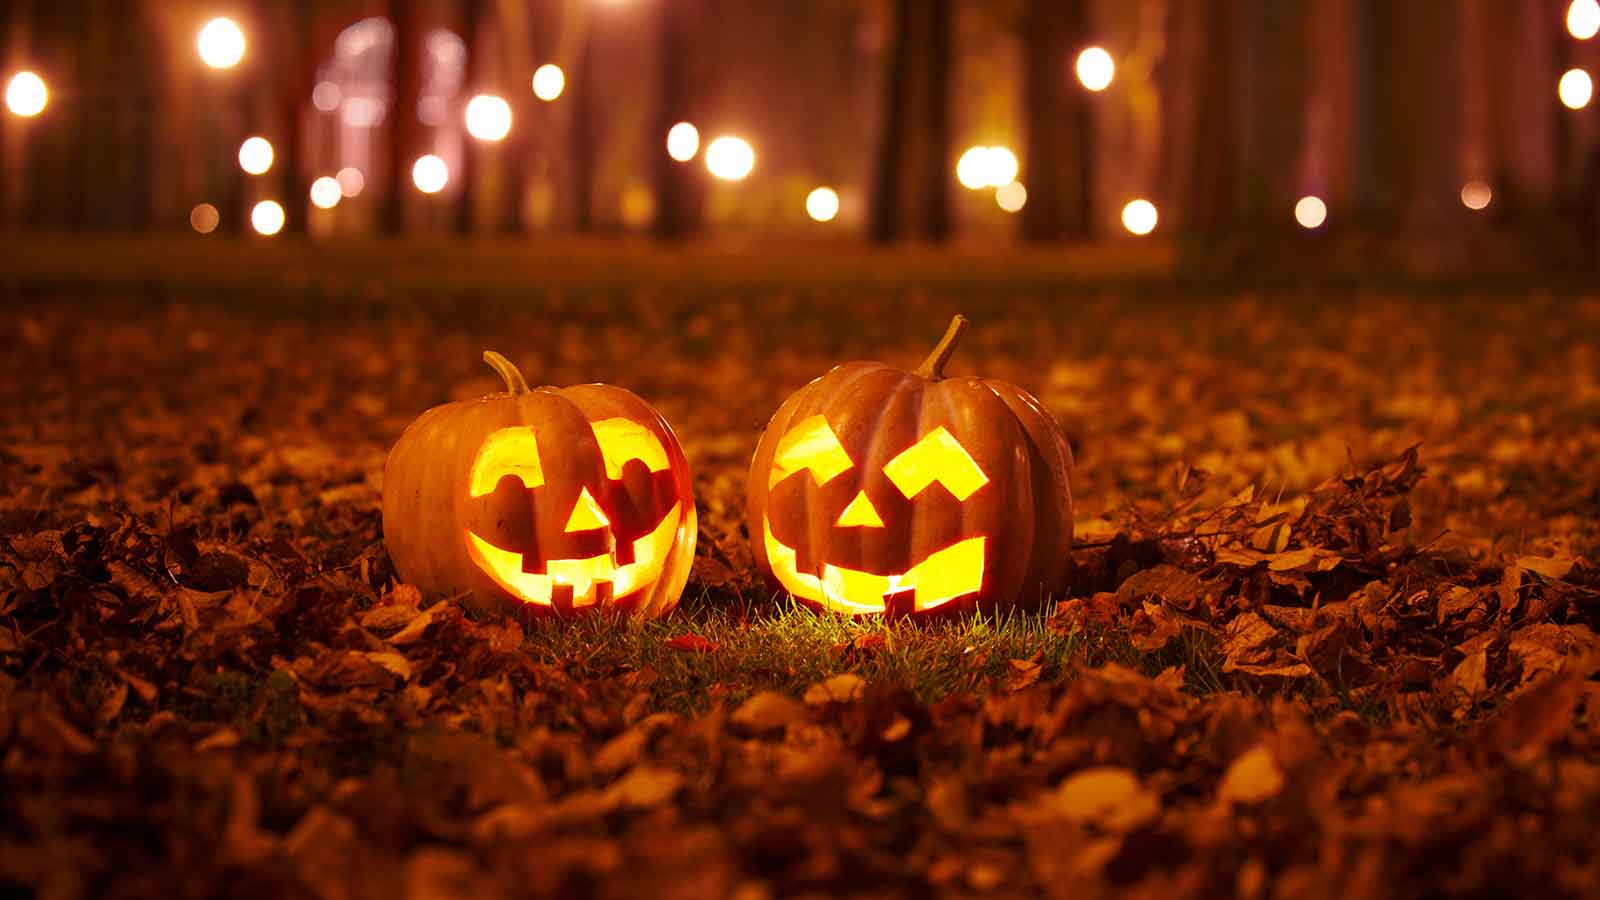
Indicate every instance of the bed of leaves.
{"type": "Point", "coordinates": [1332, 631]}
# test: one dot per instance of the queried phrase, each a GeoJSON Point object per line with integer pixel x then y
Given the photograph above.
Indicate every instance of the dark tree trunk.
{"type": "Point", "coordinates": [1060, 150]}
{"type": "Point", "coordinates": [1211, 204]}
{"type": "Point", "coordinates": [54, 192]}
{"type": "Point", "coordinates": [680, 187]}
{"type": "Point", "coordinates": [472, 12]}
{"type": "Point", "coordinates": [912, 185]}
{"type": "Point", "coordinates": [581, 85]}
{"type": "Point", "coordinates": [403, 116]}
{"type": "Point", "coordinates": [295, 53]}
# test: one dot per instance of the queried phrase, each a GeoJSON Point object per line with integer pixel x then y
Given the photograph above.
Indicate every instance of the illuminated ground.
{"type": "Point", "coordinates": [1265, 683]}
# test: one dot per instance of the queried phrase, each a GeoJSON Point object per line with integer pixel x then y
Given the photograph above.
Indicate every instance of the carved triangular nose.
{"type": "Point", "coordinates": [860, 513]}
{"type": "Point", "coordinates": [586, 515]}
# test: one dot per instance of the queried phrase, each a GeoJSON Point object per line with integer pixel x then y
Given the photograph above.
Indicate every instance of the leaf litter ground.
{"type": "Point", "coordinates": [1332, 629]}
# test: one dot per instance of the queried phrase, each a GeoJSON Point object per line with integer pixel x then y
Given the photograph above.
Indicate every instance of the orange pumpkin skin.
{"type": "Point", "coordinates": [549, 500]}
{"type": "Point", "coordinates": [941, 494]}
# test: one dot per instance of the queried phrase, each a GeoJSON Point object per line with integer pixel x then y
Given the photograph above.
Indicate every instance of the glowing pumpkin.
{"type": "Point", "coordinates": [876, 490]}
{"type": "Point", "coordinates": [558, 499]}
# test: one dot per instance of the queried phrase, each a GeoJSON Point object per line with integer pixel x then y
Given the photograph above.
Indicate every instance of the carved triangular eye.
{"type": "Point", "coordinates": [810, 445]}
{"type": "Point", "coordinates": [509, 451]}
{"type": "Point", "coordinates": [860, 513]}
{"type": "Point", "coordinates": [622, 440]}
{"type": "Point", "coordinates": [587, 514]}
{"type": "Point", "coordinates": [938, 456]}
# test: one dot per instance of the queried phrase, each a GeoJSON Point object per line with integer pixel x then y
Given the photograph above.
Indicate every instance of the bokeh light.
{"type": "Point", "coordinates": [26, 94]}
{"type": "Point", "coordinates": [982, 167]}
{"type": "Point", "coordinates": [221, 43]}
{"type": "Point", "coordinates": [351, 181]}
{"type": "Point", "coordinates": [1011, 196]}
{"type": "Point", "coordinates": [683, 141]}
{"type": "Point", "coordinates": [822, 204]}
{"type": "Point", "coordinates": [1475, 195]}
{"type": "Point", "coordinates": [430, 174]}
{"type": "Point", "coordinates": [488, 117]}
{"type": "Point", "coordinates": [548, 82]}
{"type": "Point", "coordinates": [266, 217]}
{"type": "Point", "coordinates": [204, 218]}
{"type": "Point", "coordinates": [730, 158]}
{"type": "Point", "coordinates": [1310, 211]}
{"type": "Point", "coordinates": [325, 192]}
{"type": "Point", "coordinates": [255, 155]}
{"type": "Point", "coordinates": [1139, 217]}
{"type": "Point", "coordinates": [1575, 89]}
{"type": "Point", "coordinates": [1583, 19]}
{"type": "Point", "coordinates": [326, 96]}
{"type": "Point", "coordinates": [1096, 68]}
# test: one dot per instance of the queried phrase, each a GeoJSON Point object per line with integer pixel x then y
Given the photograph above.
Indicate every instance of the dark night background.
{"type": "Point", "coordinates": [1308, 286]}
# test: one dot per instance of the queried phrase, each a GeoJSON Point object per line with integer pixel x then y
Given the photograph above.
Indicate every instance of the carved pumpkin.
{"type": "Point", "coordinates": [558, 499]}
{"type": "Point", "coordinates": [876, 490]}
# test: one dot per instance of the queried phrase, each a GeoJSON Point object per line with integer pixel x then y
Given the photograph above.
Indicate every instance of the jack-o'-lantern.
{"type": "Point", "coordinates": [546, 499]}
{"type": "Point", "coordinates": [880, 491]}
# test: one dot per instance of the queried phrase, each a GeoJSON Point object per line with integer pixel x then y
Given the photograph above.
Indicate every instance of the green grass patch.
{"type": "Point", "coordinates": [788, 647]}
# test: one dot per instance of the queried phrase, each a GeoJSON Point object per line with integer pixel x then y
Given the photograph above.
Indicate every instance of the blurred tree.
{"type": "Point", "coordinates": [583, 126]}
{"type": "Point", "coordinates": [517, 47]}
{"type": "Point", "coordinates": [911, 190]}
{"type": "Point", "coordinates": [472, 151]}
{"type": "Point", "coordinates": [403, 112]}
{"type": "Point", "coordinates": [1060, 150]}
{"type": "Point", "coordinates": [291, 47]}
{"type": "Point", "coordinates": [679, 188]}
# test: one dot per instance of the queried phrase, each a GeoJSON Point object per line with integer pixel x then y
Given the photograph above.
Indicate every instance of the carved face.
{"type": "Point", "coordinates": [578, 526]}
{"type": "Point", "coordinates": [859, 557]}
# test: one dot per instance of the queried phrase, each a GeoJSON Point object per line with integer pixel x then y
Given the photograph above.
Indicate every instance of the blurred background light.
{"type": "Point", "coordinates": [432, 111]}
{"type": "Point", "coordinates": [1002, 166]}
{"type": "Point", "coordinates": [1011, 196]}
{"type": "Point", "coordinates": [488, 117]}
{"type": "Point", "coordinates": [325, 192]}
{"type": "Point", "coordinates": [1475, 194]}
{"type": "Point", "coordinates": [971, 168]}
{"type": "Point", "coordinates": [1575, 89]}
{"type": "Point", "coordinates": [351, 181]}
{"type": "Point", "coordinates": [1139, 217]}
{"type": "Point", "coordinates": [221, 43]}
{"type": "Point", "coordinates": [1583, 19]}
{"type": "Point", "coordinates": [26, 94]}
{"type": "Point", "coordinates": [1096, 68]}
{"type": "Point", "coordinates": [430, 174]}
{"type": "Point", "coordinates": [822, 204]}
{"type": "Point", "coordinates": [363, 112]}
{"type": "Point", "coordinates": [548, 82]}
{"type": "Point", "coordinates": [683, 141]}
{"type": "Point", "coordinates": [1310, 212]}
{"type": "Point", "coordinates": [255, 155]}
{"type": "Point", "coordinates": [204, 218]}
{"type": "Point", "coordinates": [266, 217]}
{"type": "Point", "coordinates": [980, 167]}
{"type": "Point", "coordinates": [326, 96]}
{"type": "Point", "coordinates": [730, 158]}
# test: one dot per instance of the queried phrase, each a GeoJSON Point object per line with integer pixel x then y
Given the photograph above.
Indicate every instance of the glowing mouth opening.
{"type": "Point", "coordinates": [584, 576]}
{"type": "Point", "coordinates": [942, 576]}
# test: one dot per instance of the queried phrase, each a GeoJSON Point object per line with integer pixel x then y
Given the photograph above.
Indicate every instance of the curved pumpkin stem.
{"type": "Point", "coordinates": [515, 383]}
{"type": "Point", "coordinates": [933, 366]}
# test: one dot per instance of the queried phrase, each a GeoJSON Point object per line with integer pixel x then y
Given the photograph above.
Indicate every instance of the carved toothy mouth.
{"type": "Point", "coordinates": [579, 582]}
{"type": "Point", "coordinates": [941, 576]}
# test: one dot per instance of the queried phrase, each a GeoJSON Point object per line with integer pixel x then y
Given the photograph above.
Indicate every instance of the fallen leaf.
{"type": "Point", "coordinates": [1251, 778]}
{"type": "Point", "coordinates": [844, 688]}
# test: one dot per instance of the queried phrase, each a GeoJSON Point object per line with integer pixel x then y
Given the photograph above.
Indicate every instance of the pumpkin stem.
{"type": "Point", "coordinates": [933, 366]}
{"type": "Point", "coordinates": [515, 383]}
